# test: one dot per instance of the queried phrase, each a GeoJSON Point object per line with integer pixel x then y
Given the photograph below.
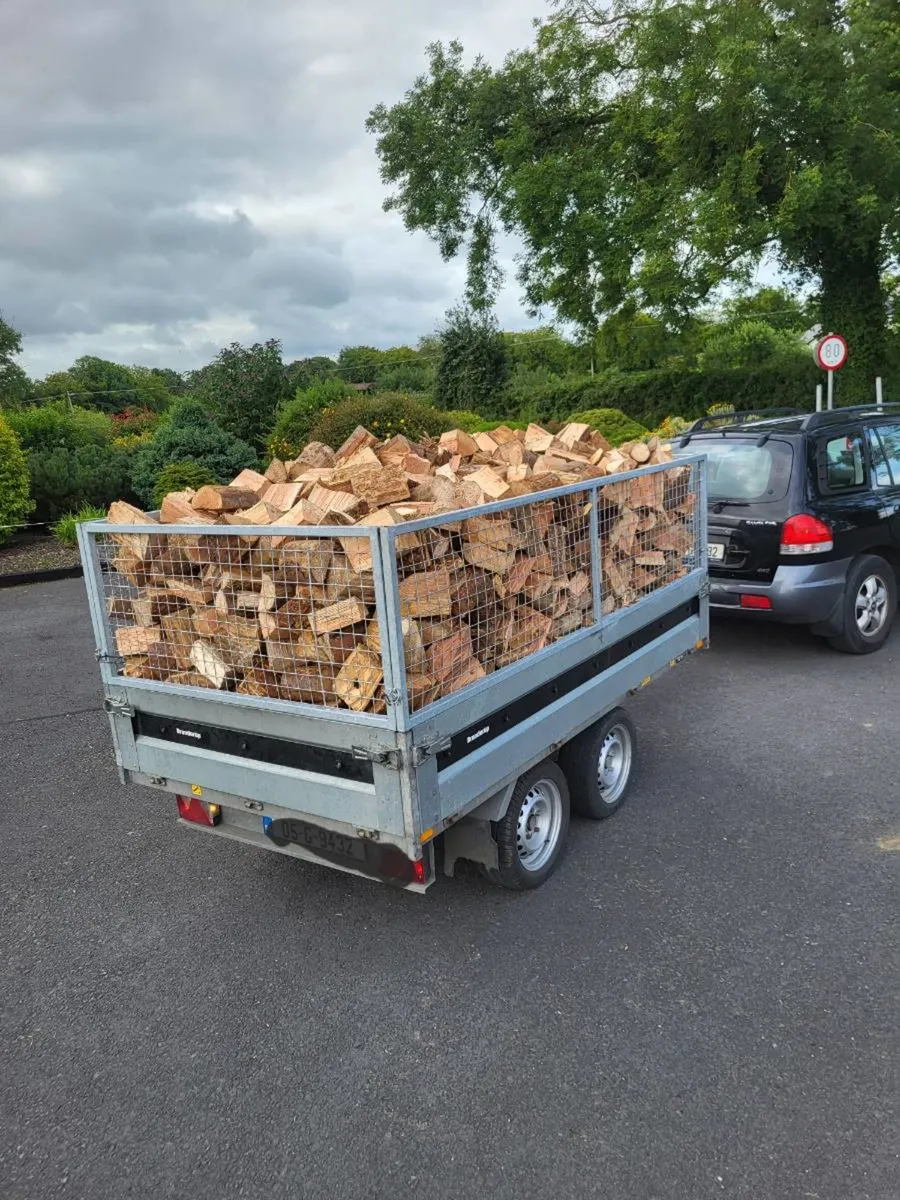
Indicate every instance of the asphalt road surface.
{"type": "Point", "coordinates": [701, 1003]}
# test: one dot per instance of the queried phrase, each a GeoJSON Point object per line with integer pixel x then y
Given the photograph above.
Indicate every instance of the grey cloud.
{"type": "Point", "coordinates": [173, 166]}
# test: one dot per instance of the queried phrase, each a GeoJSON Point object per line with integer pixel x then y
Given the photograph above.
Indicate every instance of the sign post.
{"type": "Point", "coordinates": [831, 354]}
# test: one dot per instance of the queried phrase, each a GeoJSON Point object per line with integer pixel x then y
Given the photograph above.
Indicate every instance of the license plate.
{"type": "Point", "coordinates": [285, 830]}
{"type": "Point", "coordinates": [715, 551]}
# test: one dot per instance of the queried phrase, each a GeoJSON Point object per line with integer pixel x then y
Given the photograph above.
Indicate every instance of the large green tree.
{"type": "Point", "coordinates": [14, 384]}
{"type": "Point", "coordinates": [647, 151]}
{"type": "Point", "coordinates": [243, 387]}
{"type": "Point", "coordinates": [473, 365]}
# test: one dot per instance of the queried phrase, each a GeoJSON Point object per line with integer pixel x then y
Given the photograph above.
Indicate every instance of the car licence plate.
{"type": "Point", "coordinates": [715, 551]}
{"type": "Point", "coordinates": [283, 830]}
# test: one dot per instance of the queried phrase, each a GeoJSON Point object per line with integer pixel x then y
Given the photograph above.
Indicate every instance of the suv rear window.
{"type": "Point", "coordinates": [739, 470]}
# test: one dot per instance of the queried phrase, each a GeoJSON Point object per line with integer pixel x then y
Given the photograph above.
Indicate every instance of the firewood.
{"type": "Point", "coordinates": [651, 558]}
{"type": "Point", "coordinates": [395, 451]}
{"type": "Point", "coordinates": [512, 453]}
{"type": "Point", "coordinates": [334, 503]}
{"type": "Point", "coordinates": [495, 531]}
{"type": "Point", "coordinates": [136, 639]}
{"type": "Point", "coordinates": [538, 439]}
{"type": "Point", "coordinates": [640, 452]}
{"type": "Point", "coordinates": [312, 686]}
{"type": "Point", "coordinates": [490, 482]}
{"type": "Point", "coordinates": [623, 534]}
{"type": "Point", "coordinates": [195, 591]}
{"type": "Point", "coordinates": [218, 499]}
{"type": "Point", "coordinates": [359, 438]}
{"type": "Point", "coordinates": [412, 464]}
{"type": "Point", "coordinates": [447, 657]}
{"type": "Point", "coordinates": [118, 608]}
{"type": "Point", "coordinates": [138, 545]}
{"type": "Point", "coordinates": [378, 485]}
{"type": "Point", "coordinates": [485, 443]}
{"type": "Point", "coordinates": [283, 496]}
{"type": "Point", "coordinates": [574, 432]}
{"type": "Point", "coordinates": [304, 512]}
{"type": "Point", "coordinates": [518, 474]}
{"type": "Point", "coordinates": [426, 594]}
{"type": "Point", "coordinates": [316, 454]}
{"type": "Point", "coordinates": [643, 579]}
{"type": "Point", "coordinates": [189, 678]}
{"type": "Point", "coordinates": [306, 560]}
{"type": "Point", "coordinates": [495, 561]}
{"type": "Point", "coordinates": [676, 539]}
{"type": "Point", "coordinates": [285, 653]}
{"type": "Point", "coordinates": [176, 506]}
{"type": "Point", "coordinates": [421, 690]}
{"type": "Point", "coordinates": [648, 490]}
{"type": "Point", "coordinates": [358, 679]}
{"type": "Point", "coordinates": [251, 481]}
{"type": "Point", "coordinates": [209, 663]}
{"type": "Point", "coordinates": [337, 616]}
{"type": "Point", "coordinates": [457, 441]}
{"type": "Point", "coordinates": [154, 603]}
{"type": "Point", "coordinates": [276, 472]}
{"type": "Point", "coordinates": [438, 489]}
{"type": "Point", "coordinates": [579, 584]}
{"type": "Point", "coordinates": [255, 682]}
{"type": "Point", "coordinates": [413, 646]}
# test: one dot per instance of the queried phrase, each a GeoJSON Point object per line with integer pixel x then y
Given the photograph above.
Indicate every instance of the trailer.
{"type": "Point", "coordinates": [519, 720]}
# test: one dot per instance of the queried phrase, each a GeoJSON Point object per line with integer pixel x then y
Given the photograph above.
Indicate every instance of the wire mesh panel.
{"type": "Point", "coordinates": [484, 591]}
{"type": "Point", "coordinates": [647, 533]}
{"type": "Point", "coordinates": [480, 593]}
{"type": "Point", "coordinates": [291, 618]}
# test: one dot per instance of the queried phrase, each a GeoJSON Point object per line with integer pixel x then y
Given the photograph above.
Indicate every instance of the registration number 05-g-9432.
{"type": "Point", "coordinates": [715, 551]}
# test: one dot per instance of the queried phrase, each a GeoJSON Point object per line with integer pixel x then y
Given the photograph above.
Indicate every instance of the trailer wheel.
{"type": "Point", "coordinates": [598, 765]}
{"type": "Point", "coordinates": [531, 836]}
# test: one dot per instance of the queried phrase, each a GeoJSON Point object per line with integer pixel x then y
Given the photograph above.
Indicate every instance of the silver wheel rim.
{"type": "Point", "coordinates": [538, 825]}
{"type": "Point", "coordinates": [871, 607]}
{"type": "Point", "coordinates": [614, 764]}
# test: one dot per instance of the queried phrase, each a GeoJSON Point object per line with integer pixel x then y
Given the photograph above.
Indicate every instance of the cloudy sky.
{"type": "Point", "coordinates": [178, 174]}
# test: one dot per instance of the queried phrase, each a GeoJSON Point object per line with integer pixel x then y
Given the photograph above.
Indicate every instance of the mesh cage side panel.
{"type": "Point", "coordinates": [290, 618]}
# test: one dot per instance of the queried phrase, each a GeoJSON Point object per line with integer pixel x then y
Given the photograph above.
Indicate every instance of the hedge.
{"type": "Point", "coordinates": [58, 427]}
{"type": "Point", "coordinates": [650, 396]}
{"type": "Point", "coordinates": [64, 480]}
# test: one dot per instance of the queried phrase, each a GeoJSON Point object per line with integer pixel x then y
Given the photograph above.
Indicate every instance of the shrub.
{"type": "Point", "coordinates": [178, 476]}
{"type": "Point", "coordinates": [461, 418]}
{"type": "Point", "coordinates": [57, 427]}
{"type": "Point", "coordinates": [188, 432]}
{"type": "Point", "coordinates": [384, 415]}
{"type": "Point", "coordinates": [297, 417]}
{"type": "Point", "coordinates": [671, 427]}
{"type": "Point", "coordinates": [15, 502]}
{"type": "Point", "coordinates": [65, 529]}
{"type": "Point", "coordinates": [613, 424]}
{"type": "Point", "coordinates": [135, 420]}
{"type": "Point", "coordinates": [63, 480]}
{"type": "Point", "coordinates": [132, 442]}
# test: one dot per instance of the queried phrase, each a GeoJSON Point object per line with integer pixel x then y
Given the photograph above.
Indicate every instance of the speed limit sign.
{"type": "Point", "coordinates": [831, 352]}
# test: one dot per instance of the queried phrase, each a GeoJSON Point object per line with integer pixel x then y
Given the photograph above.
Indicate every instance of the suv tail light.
{"type": "Point", "coordinates": [803, 534]}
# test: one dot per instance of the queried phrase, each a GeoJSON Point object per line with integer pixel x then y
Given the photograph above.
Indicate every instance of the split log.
{"type": "Point", "coordinates": [358, 679]}
{"type": "Point", "coordinates": [136, 639]}
{"type": "Point", "coordinates": [219, 499]}
{"type": "Point", "coordinates": [251, 481]}
{"type": "Point", "coordinates": [138, 545]}
{"type": "Point", "coordinates": [337, 616]}
{"type": "Point", "coordinates": [276, 471]}
{"type": "Point", "coordinates": [426, 594]}
{"type": "Point", "coordinates": [176, 506]}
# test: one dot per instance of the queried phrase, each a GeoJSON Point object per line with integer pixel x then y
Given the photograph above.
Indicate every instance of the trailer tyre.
{"type": "Point", "coordinates": [531, 836]}
{"type": "Point", "coordinates": [599, 764]}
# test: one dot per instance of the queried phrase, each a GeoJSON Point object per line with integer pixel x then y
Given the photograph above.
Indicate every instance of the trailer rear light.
{"type": "Point", "coordinates": [750, 601]}
{"type": "Point", "coordinates": [803, 534]}
{"type": "Point", "coordinates": [196, 811]}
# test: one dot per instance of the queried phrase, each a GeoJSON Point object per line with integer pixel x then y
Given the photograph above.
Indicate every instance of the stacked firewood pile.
{"type": "Point", "coordinates": [293, 616]}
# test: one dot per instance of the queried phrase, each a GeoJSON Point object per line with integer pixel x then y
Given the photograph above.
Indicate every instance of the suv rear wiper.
{"type": "Point", "coordinates": [720, 504]}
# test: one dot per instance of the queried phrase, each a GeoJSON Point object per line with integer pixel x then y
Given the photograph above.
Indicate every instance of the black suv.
{"type": "Point", "coordinates": [804, 518]}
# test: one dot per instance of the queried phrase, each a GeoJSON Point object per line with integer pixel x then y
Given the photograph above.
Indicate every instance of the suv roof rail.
{"type": "Point", "coordinates": [830, 415]}
{"type": "Point", "coordinates": [739, 417]}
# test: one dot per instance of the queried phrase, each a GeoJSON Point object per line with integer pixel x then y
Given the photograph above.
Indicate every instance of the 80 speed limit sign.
{"type": "Point", "coordinates": [831, 352]}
